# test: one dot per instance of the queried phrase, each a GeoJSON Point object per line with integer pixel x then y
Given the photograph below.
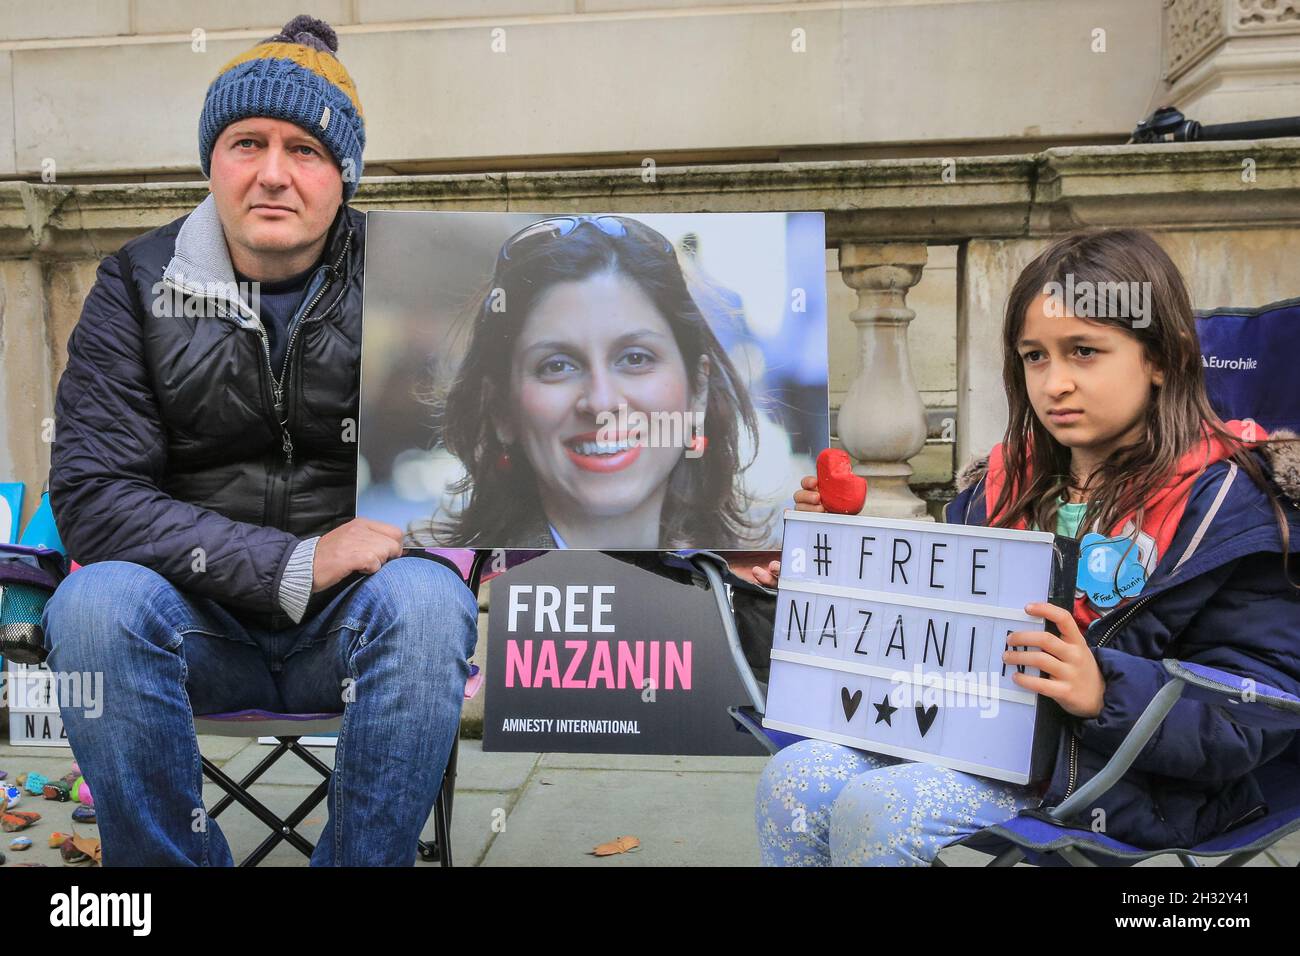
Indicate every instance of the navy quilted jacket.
{"type": "Point", "coordinates": [1229, 606]}
{"type": "Point", "coordinates": [178, 447]}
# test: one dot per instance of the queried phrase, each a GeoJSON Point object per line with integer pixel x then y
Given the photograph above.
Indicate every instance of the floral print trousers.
{"type": "Point", "coordinates": [824, 804]}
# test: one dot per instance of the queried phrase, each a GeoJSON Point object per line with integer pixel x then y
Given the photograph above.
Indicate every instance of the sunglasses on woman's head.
{"type": "Point", "coordinates": [558, 227]}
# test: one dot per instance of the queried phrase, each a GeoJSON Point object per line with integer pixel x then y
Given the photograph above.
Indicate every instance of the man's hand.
{"type": "Point", "coordinates": [767, 576]}
{"type": "Point", "coordinates": [1074, 680]}
{"type": "Point", "coordinates": [360, 545]}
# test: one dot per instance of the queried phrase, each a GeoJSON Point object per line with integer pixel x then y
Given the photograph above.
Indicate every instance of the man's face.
{"type": "Point", "coordinates": [276, 187]}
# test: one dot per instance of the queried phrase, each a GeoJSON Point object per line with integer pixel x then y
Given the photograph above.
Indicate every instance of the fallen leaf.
{"type": "Point", "coordinates": [623, 844]}
{"type": "Point", "coordinates": [89, 846]}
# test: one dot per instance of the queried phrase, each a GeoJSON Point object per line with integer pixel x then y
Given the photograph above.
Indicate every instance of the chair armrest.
{"type": "Point", "coordinates": [1245, 700]}
{"type": "Point", "coordinates": [1143, 730]}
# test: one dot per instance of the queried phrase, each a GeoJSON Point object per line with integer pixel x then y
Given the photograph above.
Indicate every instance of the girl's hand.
{"type": "Point", "coordinates": [767, 576]}
{"type": "Point", "coordinates": [807, 498]}
{"type": "Point", "coordinates": [1074, 680]}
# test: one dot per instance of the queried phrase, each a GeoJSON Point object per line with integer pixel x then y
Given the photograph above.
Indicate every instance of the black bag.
{"type": "Point", "coordinates": [28, 576]}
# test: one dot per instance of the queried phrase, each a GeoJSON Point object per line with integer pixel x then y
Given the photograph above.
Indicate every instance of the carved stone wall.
{"type": "Point", "coordinates": [1192, 29]}
{"type": "Point", "coordinates": [1230, 61]}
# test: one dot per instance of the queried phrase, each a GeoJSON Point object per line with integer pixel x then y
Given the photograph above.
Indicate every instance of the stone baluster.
{"type": "Point", "coordinates": [882, 419]}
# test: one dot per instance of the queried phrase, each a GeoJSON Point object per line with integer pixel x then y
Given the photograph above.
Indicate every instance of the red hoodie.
{"type": "Point", "coordinates": [1163, 510]}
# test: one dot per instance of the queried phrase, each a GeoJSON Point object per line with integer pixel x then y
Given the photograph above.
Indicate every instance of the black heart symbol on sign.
{"type": "Point", "coordinates": [850, 703]}
{"type": "Point", "coordinates": [925, 717]}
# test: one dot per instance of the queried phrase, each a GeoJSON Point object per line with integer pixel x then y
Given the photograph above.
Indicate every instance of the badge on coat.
{"type": "Point", "coordinates": [1112, 569]}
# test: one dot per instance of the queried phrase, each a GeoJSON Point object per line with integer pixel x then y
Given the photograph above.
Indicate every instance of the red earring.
{"type": "Point", "coordinates": [699, 445]}
{"type": "Point", "coordinates": [503, 461]}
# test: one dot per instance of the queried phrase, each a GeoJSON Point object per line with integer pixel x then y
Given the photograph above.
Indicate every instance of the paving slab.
{"type": "Point", "coordinates": [476, 770]}
{"type": "Point", "coordinates": [472, 819]}
{"type": "Point", "coordinates": [682, 819]}
{"type": "Point", "coordinates": [52, 765]}
{"type": "Point", "coordinates": [554, 761]}
{"type": "Point", "coordinates": [471, 823]}
{"type": "Point", "coordinates": [53, 762]}
{"type": "Point", "coordinates": [244, 831]}
{"type": "Point", "coordinates": [219, 748]}
{"type": "Point", "coordinates": [1287, 850]}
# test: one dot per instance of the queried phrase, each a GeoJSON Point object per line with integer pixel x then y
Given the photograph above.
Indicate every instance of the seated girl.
{"type": "Point", "coordinates": [1110, 432]}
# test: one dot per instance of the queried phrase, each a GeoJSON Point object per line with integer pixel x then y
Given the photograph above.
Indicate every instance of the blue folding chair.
{"type": "Point", "coordinates": [1051, 841]}
{"type": "Point", "coordinates": [1248, 358]}
{"type": "Point", "coordinates": [1038, 841]}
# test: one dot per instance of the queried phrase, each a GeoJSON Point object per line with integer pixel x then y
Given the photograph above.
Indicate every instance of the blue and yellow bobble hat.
{"type": "Point", "coordinates": [292, 76]}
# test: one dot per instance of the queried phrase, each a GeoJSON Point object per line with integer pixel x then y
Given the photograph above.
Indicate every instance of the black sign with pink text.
{"type": "Point", "coordinates": [589, 654]}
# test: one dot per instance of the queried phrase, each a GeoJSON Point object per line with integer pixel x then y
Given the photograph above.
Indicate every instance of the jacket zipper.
{"type": "Point", "coordinates": [332, 274]}
{"type": "Point", "coordinates": [1246, 816]}
{"type": "Point", "coordinates": [277, 394]}
{"type": "Point", "coordinates": [277, 385]}
{"type": "Point", "coordinates": [1074, 740]}
{"type": "Point", "coordinates": [281, 384]}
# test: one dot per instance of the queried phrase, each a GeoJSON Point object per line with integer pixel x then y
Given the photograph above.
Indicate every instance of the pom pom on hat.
{"type": "Point", "coordinates": [308, 31]}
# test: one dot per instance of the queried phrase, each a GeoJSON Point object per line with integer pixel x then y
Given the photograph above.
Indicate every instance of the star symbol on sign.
{"type": "Point", "coordinates": [884, 710]}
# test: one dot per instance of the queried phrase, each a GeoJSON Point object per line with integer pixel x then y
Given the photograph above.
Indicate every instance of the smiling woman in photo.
{"type": "Point", "coordinates": [594, 407]}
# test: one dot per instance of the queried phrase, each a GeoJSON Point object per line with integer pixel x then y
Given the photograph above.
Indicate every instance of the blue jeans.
{"type": "Point", "coordinates": [824, 804]}
{"type": "Point", "coordinates": [390, 651]}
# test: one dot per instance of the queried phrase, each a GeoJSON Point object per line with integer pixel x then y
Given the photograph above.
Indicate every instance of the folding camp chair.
{"type": "Point", "coordinates": [1249, 360]}
{"type": "Point", "coordinates": [1039, 836]}
{"type": "Point", "coordinates": [1045, 836]}
{"type": "Point", "coordinates": [288, 730]}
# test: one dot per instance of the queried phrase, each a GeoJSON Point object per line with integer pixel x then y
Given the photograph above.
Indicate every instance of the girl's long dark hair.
{"type": "Point", "coordinates": [704, 504]}
{"type": "Point", "coordinates": [1179, 415]}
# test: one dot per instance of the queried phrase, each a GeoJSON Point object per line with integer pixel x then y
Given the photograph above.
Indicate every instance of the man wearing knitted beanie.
{"type": "Point", "coordinates": [204, 475]}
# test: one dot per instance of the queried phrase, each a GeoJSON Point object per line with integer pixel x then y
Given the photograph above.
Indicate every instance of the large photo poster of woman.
{"type": "Point", "coordinates": [615, 382]}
